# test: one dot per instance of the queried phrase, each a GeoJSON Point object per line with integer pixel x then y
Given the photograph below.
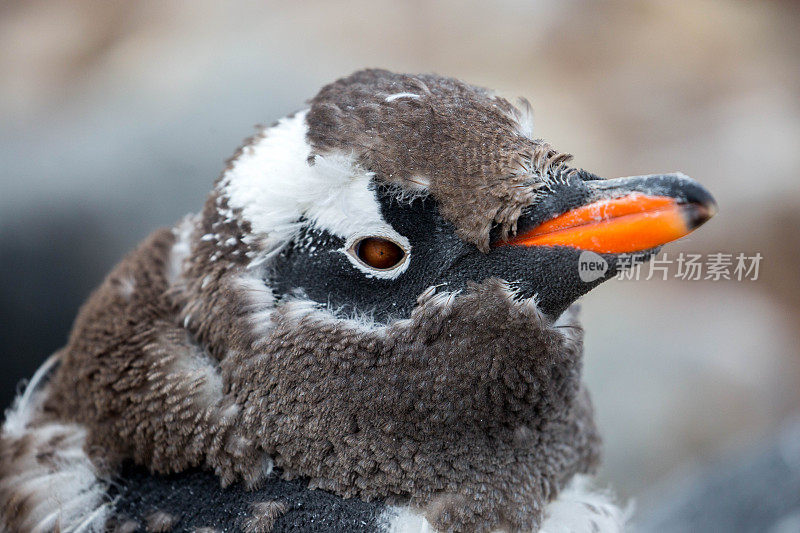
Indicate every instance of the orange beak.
{"type": "Point", "coordinates": [632, 223]}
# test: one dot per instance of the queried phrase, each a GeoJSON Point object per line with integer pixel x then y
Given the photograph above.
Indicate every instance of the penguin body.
{"type": "Point", "coordinates": [350, 328]}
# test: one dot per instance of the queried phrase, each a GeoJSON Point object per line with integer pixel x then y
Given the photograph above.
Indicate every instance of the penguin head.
{"type": "Point", "coordinates": [390, 184]}
{"type": "Point", "coordinates": [383, 279]}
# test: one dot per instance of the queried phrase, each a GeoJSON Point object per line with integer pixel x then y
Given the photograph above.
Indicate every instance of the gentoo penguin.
{"type": "Point", "coordinates": [368, 327]}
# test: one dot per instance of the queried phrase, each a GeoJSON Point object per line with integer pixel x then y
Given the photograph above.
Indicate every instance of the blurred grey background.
{"type": "Point", "coordinates": [116, 117]}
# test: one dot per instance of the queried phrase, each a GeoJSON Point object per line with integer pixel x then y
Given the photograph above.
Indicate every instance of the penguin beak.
{"type": "Point", "coordinates": [626, 215]}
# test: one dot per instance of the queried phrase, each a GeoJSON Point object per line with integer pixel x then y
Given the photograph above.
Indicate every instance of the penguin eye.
{"type": "Point", "coordinates": [379, 253]}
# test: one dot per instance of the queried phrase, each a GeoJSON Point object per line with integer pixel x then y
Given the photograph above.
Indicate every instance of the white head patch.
{"type": "Point", "coordinates": [276, 181]}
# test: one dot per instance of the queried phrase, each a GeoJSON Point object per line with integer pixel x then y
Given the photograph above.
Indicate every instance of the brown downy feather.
{"type": "Point", "coordinates": [468, 144]}
{"type": "Point", "coordinates": [181, 357]}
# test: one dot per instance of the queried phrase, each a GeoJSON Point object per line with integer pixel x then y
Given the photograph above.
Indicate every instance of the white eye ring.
{"type": "Point", "coordinates": [352, 246]}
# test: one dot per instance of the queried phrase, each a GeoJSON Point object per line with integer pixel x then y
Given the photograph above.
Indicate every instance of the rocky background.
{"type": "Point", "coordinates": [116, 117]}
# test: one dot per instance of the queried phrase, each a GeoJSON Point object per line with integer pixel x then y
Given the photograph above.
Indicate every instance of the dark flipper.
{"type": "Point", "coordinates": [195, 500]}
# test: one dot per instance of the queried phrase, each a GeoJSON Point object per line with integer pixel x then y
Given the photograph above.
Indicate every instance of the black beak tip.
{"type": "Point", "coordinates": [700, 206]}
{"type": "Point", "coordinates": [698, 214]}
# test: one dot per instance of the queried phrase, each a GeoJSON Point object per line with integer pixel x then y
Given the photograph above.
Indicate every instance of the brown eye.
{"type": "Point", "coordinates": [378, 253]}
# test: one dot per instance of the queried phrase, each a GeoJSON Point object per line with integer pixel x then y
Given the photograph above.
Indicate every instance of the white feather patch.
{"type": "Point", "coordinates": [578, 509]}
{"type": "Point", "coordinates": [181, 249]}
{"type": "Point", "coordinates": [273, 183]}
{"type": "Point", "coordinates": [51, 474]}
{"type": "Point", "coordinates": [26, 405]}
{"type": "Point", "coordinates": [395, 96]}
{"type": "Point", "coordinates": [260, 302]}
